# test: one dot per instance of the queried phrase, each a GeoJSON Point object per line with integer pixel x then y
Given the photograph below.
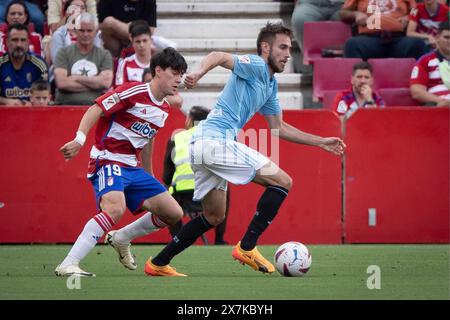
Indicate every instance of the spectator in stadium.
{"type": "Point", "coordinates": [17, 12]}
{"type": "Point", "coordinates": [131, 68]}
{"type": "Point", "coordinates": [381, 30]}
{"type": "Point", "coordinates": [57, 12]}
{"type": "Point", "coordinates": [40, 93]}
{"type": "Point", "coordinates": [82, 70]}
{"type": "Point", "coordinates": [178, 175]}
{"type": "Point", "coordinates": [115, 16]}
{"type": "Point", "coordinates": [216, 156]}
{"type": "Point", "coordinates": [312, 10]}
{"type": "Point", "coordinates": [66, 35]}
{"type": "Point", "coordinates": [35, 14]}
{"type": "Point", "coordinates": [360, 94]}
{"type": "Point", "coordinates": [424, 21]}
{"type": "Point", "coordinates": [19, 68]}
{"type": "Point", "coordinates": [128, 118]}
{"type": "Point", "coordinates": [430, 77]}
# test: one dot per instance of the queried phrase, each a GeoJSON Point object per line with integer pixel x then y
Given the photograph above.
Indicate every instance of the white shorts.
{"type": "Point", "coordinates": [216, 162]}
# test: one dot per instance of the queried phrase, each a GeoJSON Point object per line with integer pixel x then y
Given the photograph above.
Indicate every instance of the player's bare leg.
{"type": "Point", "coordinates": [163, 211]}
{"type": "Point", "coordinates": [113, 206]}
{"type": "Point", "coordinates": [277, 183]}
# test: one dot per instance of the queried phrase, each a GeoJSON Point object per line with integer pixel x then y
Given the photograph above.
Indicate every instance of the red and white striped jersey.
{"type": "Point", "coordinates": [132, 116]}
{"type": "Point", "coordinates": [426, 72]}
{"type": "Point", "coordinates": [426, 23]}
{"type": "Point", "coordinates": [130, 69]}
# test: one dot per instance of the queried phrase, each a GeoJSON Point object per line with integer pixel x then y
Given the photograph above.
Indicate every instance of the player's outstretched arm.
{"type": "Point", "coordinates": [287, 132]}
{"type": "Point", "coordinates": [212, 60]}
{"type": "Point", "coordinates": [90, 117]}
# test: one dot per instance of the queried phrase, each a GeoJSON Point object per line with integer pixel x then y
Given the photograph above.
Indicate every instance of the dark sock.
{"type": "Point", "coordinates": [174, 229]}
{"type": "Point", "coordinates": [187, 236]}
{"type": "Point", "coordinates": [266, 210]}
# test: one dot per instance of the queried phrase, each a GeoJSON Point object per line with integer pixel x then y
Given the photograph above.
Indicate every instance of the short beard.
{"type": "Point", "coordinates": [273, 65]}
{"type": "Point", "coordinates": [18, 53]}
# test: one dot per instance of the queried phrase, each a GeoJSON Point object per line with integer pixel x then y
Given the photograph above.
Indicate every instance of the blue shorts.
{"type": "Point", "coordinates": [135, 183]}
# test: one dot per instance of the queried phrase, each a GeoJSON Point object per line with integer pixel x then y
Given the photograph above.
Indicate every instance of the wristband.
{"type": "Point", "coordinates": [80, 138]}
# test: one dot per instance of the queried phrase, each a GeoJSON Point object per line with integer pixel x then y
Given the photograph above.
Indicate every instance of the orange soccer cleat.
{"type": "Point", "coordinates": [164, 271]}
{"type": "Point", "coordinates": [252, 258]}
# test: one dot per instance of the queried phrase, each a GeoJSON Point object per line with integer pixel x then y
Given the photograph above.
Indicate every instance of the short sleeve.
{"type": "Point", "coordinates": [111, 102]}
{"type": "Point", "coordinates": [339, 104]}
{"type": "Point", "coordinates": [61, 60]}
{"type": "Point", "coordinates": [414, 15]}
{"type": "Point", "coordinates": [249, 66]}
{"type": "Point", "coordinates": [272, 106]}
{"type": "Point", "coordinates": [419, 75]}
{"type": "Point", "coordinates": [107, 63]}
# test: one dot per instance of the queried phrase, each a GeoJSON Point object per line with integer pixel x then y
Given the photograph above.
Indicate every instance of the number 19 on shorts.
{"type": "Point", "coordinates": [105, 175]}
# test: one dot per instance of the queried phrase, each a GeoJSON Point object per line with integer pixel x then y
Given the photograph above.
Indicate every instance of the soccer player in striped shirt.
{"type": "Point", "coordinates": [128, 118]}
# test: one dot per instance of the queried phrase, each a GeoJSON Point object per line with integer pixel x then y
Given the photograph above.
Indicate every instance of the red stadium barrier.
{"type": "Point", "coordinates": [45, 199]}
{"type": "Point", "coordinates": [397, 163]}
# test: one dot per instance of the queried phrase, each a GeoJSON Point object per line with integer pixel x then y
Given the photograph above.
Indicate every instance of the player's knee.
{"type": "Point", "coordinates": [215, 220]}
{"type": "Point", "coordinates": [175, 215]}
{"type": "Point", "coordinates": [286, 182]}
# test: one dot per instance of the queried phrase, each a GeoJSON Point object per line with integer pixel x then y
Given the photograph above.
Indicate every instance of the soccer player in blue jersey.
{"type": "Point", "coordinates": [216, 157]}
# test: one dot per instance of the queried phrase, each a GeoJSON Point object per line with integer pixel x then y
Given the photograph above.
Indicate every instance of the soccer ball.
{"type": "Point", "coordinates": [292, 259]}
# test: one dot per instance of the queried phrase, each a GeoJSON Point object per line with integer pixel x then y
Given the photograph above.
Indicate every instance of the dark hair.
{"type": "Point", "coordinates": [146, 70]}
{"type": "Point", "coordinates": [136, 23]}
{"type": "Point", "coordinates": [40, 85]}
{"type": "Point", "coordinates": [198, 113]}
{"type": "Point", "coordinates": [20, 2]}
{"type": "Point", "coordinates": [268, 33]}
{"type": "Point", "coordinates": [17, 26]}
{"type": "Point", "coordinates": [139, 28]}
{"type": "Point", "coordinates": [169, 57]}
{"type": "Point", "coordinates": [362, 66]}
{"type": "Point", "coordinates": [444, 25]}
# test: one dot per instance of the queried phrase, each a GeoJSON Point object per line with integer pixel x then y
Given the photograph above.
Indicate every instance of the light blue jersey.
{"type": "Point", "coordinates": [250, 89]}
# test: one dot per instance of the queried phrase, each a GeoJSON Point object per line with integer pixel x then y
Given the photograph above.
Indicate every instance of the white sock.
{"type": "Point", "coordinates": [146, 224]}
{"type": "Point", "coordinates": [94, 229]}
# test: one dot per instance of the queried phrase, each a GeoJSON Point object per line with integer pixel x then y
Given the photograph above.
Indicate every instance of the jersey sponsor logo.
{"type": "Point", "coordinates": [415, 72]}
{"type": "Point", "coordinates": [244, 59]}
{"type": "Point", "coordinates": [111, 101]}
{"type": "Point", "coordinates": [17, 92]}
{"type": "Point", "coordinates": [342, 107]}
{"type": "Point", "coordinates": [143, 129]}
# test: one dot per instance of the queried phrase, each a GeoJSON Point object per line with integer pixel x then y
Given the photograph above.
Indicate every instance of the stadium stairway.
{"type": "Point", "coordinates": [201, 26]}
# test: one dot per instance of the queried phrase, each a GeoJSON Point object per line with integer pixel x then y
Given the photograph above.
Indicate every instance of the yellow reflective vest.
{"type": "Point", "coordinates": [183, 177]}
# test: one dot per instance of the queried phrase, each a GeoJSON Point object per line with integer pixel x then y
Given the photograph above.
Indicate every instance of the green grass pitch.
{"type": "Point", "coordinates": [337, 272]}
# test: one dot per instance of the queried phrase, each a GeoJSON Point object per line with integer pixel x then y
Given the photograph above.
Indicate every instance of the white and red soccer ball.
{"type": "Point", "coordinates": [292, 259]}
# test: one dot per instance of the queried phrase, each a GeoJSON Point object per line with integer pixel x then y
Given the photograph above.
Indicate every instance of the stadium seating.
{"type": "Point", "coordinates": [323, 34]}
{"type": "Point", "coordinates": [328, 99]}
{"type": "Point", "coordinates": [397, 97]}
{"type": "Point", "coordinates": [331, 74]}
{"type": "Point", "coordinates": [391, 80]}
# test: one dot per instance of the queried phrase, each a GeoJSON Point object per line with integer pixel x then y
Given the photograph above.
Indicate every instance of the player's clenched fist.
{"type": "Point", "coordinates": [70, 149]}
{"type": "Point", "coordinates": [191, 79]}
